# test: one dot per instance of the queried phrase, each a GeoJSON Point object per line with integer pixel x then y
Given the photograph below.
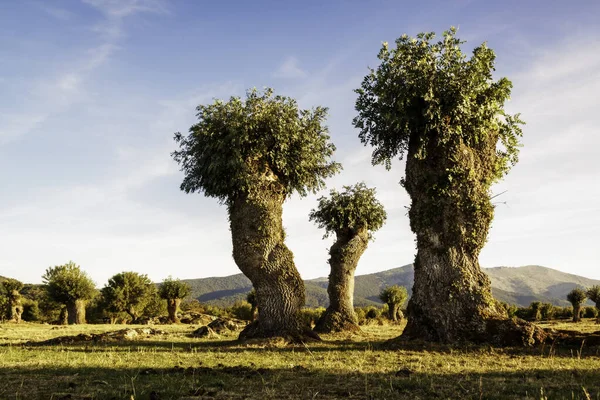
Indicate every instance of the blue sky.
{"type": "Point", "coordinates": [93, 90]}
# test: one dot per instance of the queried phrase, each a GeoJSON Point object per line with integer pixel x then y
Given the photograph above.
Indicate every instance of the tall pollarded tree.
{"type": "Point", "coordinates": [69, 285]}
{"type": "Point", "coordinates": [173, 291]}
{"type": "Point", "coordinates": [128, 292]}
{"type": "Point", "coordinates": [353, 215]}
{"type": "Point", "coordinates": [394, 296]}
{"type": "Point", "coordinates": [444, 112]}
{"type": "Point", "coordinates": [12, 291]}
{"type": "Point", "coordinates": [593, 294]}
{"type": "Point", "coordinates": [576, 297]}
{"type": "Point", "coordinates": [252, 155]}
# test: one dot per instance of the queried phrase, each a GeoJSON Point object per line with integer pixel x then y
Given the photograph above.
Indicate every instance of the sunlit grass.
{"type": "Point", "coordinates": [342, 366]}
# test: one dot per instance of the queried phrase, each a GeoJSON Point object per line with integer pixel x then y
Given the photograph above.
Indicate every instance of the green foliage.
{"type": "Point", "coordinates": [394, 295]}
{"type": "Point", "coordinates": [129, 292]}
{"type": "Point", "coordinates": [31, 311]}
{"type": "Point", "coordinates": [354, 209]}
{"type": "Point", "coordinates": [425, 91]}
{"type": "Point", "coordinates": [576, 297]}
{"type": "Point", "coordinates": [241, 310]}
{"type": "Point", "coordinates": [68, 283]}
{"type": "Point", "coordinates": [536, 310]}
{"type": "Point", "coordinates": [547, 311]}
{"type": "Point", "coordinates": [174, 289]}
{"type": "Point", "coordinates": [155, 307]}
{"type": "Point", "coordinates": [593, 294]}
{"type": "Point", "coordinates": [310, 316]}
{"type": "Point", "coordinates": [238, 143]}
{"type": "Point", "coordinates": [590, 312]}
{"type": "Point", "coordinates": [11, 288]}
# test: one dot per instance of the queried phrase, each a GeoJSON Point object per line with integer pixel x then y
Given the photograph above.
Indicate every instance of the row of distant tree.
{"type": "Point", "coordinates": [68, 293]}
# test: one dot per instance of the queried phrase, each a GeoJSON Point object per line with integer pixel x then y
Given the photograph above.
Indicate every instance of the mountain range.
{"type": "Point", "coordinates": [514, 285]}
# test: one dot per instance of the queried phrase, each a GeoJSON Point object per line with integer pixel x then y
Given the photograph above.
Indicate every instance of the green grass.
{"type": "Point", "coordinates": [357, 367]}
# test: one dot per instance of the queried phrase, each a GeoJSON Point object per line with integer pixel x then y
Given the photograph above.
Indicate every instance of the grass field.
{"type": "Point", "coordinates": [176, 366]}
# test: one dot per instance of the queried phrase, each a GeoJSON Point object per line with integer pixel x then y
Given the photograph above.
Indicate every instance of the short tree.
{"type": "Point", "coordinates": [173, 291]}
{"type": "Point", "coordinates": [353, 215]}
{"type": "Point", "coordinates": [576, 297]}
{"type": "Point", "coordinates": [394, 296]}
{"type": "Point", "coordinates": [593, 294]}
{"type": "Point", "coordinates": [69, 285]}
{"type": "Point", "coordinates": [445, 112]}
{"type": "Point", "coordinates": [547, 310]}
{"type": "Point", "coordinates": [536, 310]}
{"type": "Point", "coordinates": [252, 155]}
{"type": "Point", "coordinates": [12, 292]}
{"type": "Point", "coordinates": [129, 292]}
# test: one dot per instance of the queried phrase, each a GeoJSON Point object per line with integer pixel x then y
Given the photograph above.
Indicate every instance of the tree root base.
{"type": "Point", "coordinates": [335, 323]}
{"type": "Point", "coordinates": [256, 331]}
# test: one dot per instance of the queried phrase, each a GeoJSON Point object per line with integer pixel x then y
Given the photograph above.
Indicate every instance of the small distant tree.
{"type": "Point", "coordinates": [173, 290]}
{"type": "Point", "coordinates": [547, 310]}
{"type": "Point", "coordinates": [593, 294]}
{"type": "Point", "coordinates": [129, 292]}
{"type": "Point", "coordinates": [251, 298]}
{"type": "Point", "coordinates": [12, 289]}
{"type": "Point", "coordinates": [353, 215]}
{"type": "Point", "coordinates": [576, 297]}
{"type": "Point", "coordinates": [69, 285]}
{"type": "Point", "coordinates": [395, 297]}
{"type": "Point", "coordinates": [536, 310]}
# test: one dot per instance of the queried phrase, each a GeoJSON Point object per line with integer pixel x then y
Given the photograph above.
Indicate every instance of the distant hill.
{"type": "Point", "coordinates": [520, 285]}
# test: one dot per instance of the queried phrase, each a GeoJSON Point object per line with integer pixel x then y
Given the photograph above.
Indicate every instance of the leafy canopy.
{"type": "Point", "coordinates": [593, 294]}
{"type": "Point", "coordinates": [11, 288]}
{"type": "Point", "coordinates": [68, 283]}
{"type": "Point", "coordinates": [394, 295]}
{"type": "Point", "coordinates": [576, 296]}
{"type": "Point", "coordinates": [238, 145]}
{"type": "Point", "coordinates": [353, 209]}
{"type": "Point", "coordinates": [129, 292]}
{"type": "Point", "coordinates": [174, 289]}
{"type": "Point", "coordinates": [429, 91]}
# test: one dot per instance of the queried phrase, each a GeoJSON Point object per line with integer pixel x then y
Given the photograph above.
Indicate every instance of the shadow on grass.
{"type": "Point", "coordinates": [299, 382]}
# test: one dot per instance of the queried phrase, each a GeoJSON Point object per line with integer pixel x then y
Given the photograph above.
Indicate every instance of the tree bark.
{"type": "Point", "coordinates": [450, 214]}
{"type": "Point", "coordinates": [76, 312]}
{"type": "Point", "coordinates": [344, 256]}
{"type": "Point", "coordinates": [260, 253]}
{"type": "Point", "coordinates": [16, 308]}
{"type": "Point", "coordinates": [172, 308]}
{"type": "Point", "coordinates": [393, 309]}
{"type": "Point", "coordinates": [576, 313]}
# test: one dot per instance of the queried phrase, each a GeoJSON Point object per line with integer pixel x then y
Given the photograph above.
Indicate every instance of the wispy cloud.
{"type": "Point", "coordinates": [289, 69]}
{"type": "Point", "coordinates": [115, 11]}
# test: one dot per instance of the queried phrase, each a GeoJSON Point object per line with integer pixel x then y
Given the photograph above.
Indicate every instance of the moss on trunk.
{"type": "Point", "coordinates": [344, 256]}
{"type": "Point", "coordinates": [260, 253]}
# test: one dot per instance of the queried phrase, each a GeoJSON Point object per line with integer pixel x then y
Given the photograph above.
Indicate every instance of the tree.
{"type": "Point", "coordinates": [394, 296]}
{"type": "Point", "coordinates": [173, 290]}
{"type": "Point", "coordinates": [593, 294]}
{"type": "Point", "coordinates": [252, 155]}
{"type": "Point", "coordinates": [353, 215]}
{"type": "Point", "coordinates": [69, 285]}
{"type": "Point", "coordinates": [12, 289]}
{"type": "Point", "coordinates": [576, 297]}
{"type": "Point", "coordinates": [129, 292]}
{"type": "Point", "coordinates": [536, 310]}
{"type": "Point", "coordinates": [445, 113]}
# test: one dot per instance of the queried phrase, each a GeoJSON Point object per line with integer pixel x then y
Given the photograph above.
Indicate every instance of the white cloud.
{"type": "Point", "coordinates": [289, 69]}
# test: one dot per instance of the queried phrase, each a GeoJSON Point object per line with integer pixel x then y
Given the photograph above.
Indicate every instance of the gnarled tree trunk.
{"type": "Point", "coordinates": [393, 311]}
{"type": "Point", "coordinates": [577, 313]}
{"type": "Point", "coordinates": [76, 312]}
{"type": "Point", "coordinates": [260, 253]}
{"type": "Point", "coordinates": [172, 308]}
{"type": "Point", "coordinates": [450, 214]}
{"type": "Point", "coordinates": [16, 308]}
{"type": "Point", "coordinates": [344, 256]}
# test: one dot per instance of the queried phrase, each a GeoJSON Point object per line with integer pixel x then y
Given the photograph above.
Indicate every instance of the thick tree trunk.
{"type": "Point", "coordinates": [576, 313]}
{"type": "Point", "coordinates": [16, 308]}
{"type": "Point", "coordinates": [344, 256]}
{"type": "Point", "coordinates": [451, 213]}
{"type": "Point", "coordinates": [393, 309]}
{"type": "Point", "coordinates": [76, 312]}
{"type": "Point", "coordinates": [172, 308]}
{"type": "Point", "coordinates": [260, 253]}
{"type": "Point", "coordinates": [63, 317]}
{"type": "Point", "coordinates": [133, 314]}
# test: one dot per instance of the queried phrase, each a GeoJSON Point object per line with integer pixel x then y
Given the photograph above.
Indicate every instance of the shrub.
{"type": "Point", "coordinates": [241, 310]}
{"type": "Point", "coordinates": [589, 312]}
{"type": "Point", "coordinates": [310, 316]}
{"type": "Point", "coordinates": [547, 311]}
